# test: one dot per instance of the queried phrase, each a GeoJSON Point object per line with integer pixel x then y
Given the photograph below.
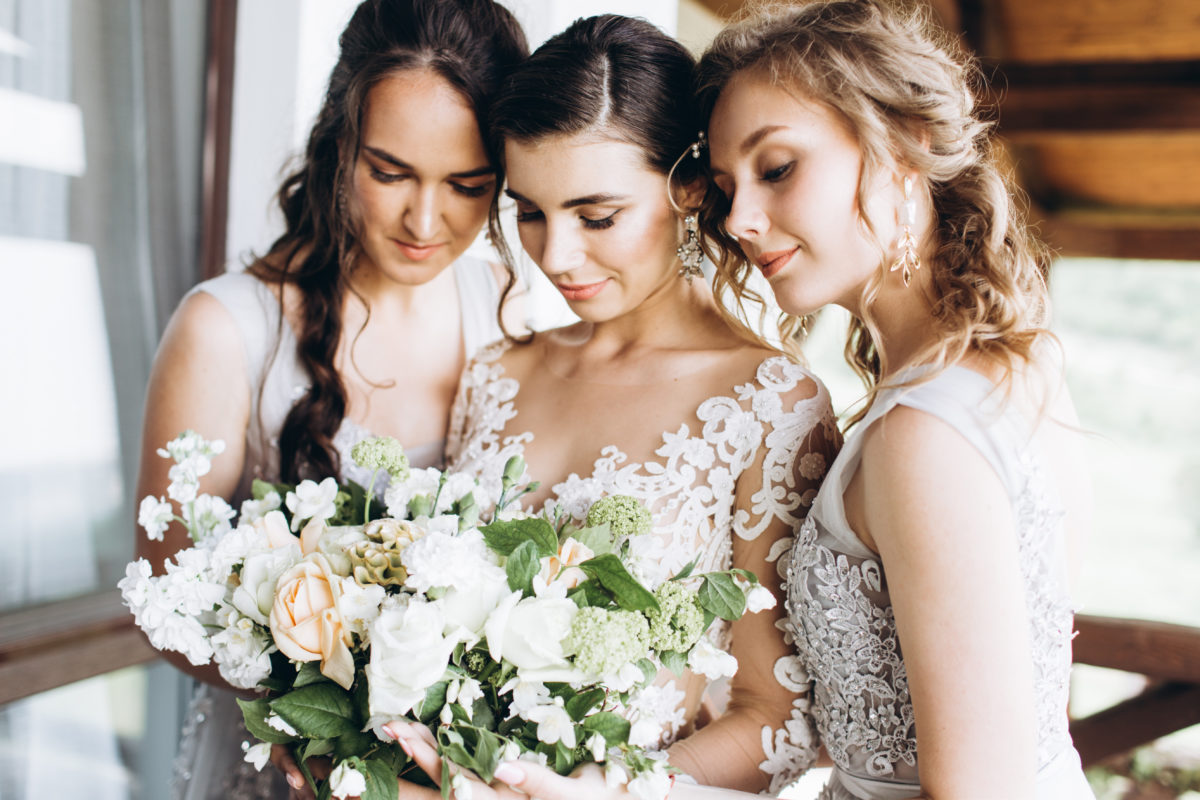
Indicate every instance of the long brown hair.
{"type": "Point", "coordinates": [908, 94]}
{"type": "Point", "coordinates": [471, 44]}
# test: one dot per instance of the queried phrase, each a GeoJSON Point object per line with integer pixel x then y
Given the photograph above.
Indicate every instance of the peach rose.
{"type": "Point", "coordinates": [274, 528]}
{"type": "Point", "coordinates": [565, 566]}
{"type": "Point", "coordinates": [306, 622]}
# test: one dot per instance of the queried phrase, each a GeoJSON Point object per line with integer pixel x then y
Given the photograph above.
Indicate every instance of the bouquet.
{"type": "Point", "coordinates": [522, 637]}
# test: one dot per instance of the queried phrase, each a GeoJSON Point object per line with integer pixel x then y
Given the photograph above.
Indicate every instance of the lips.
{"type": "Point", "coordinates": [581, 291]}
{"type": "Point", "coordinates": [770, 263]}
{"type": "Point", "coordinates": [417, 252]}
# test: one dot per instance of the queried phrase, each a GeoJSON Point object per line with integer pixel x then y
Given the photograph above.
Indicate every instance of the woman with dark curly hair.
{"type": "Point", "coordinates": [359, 318]}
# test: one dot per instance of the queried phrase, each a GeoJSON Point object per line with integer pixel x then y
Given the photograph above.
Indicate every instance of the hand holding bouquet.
{"type": "Point", "coordinates": [525, 637]}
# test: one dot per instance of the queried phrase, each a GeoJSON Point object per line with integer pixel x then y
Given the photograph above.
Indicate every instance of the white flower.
{"type": "Point", "coordinates": [598, 747]}
{"type": "Point", "coordinates": [625, 678]}
{"type": "Point", "coordinates": [467, 609]}
{"type": "Point", "coordinates": [446, 560]}
{"type": "Point", "coordinates": [650, 785]}
{"type": "Point", "coordinates": [526, 695]}
{"type": "Point", "coordinates": [398, 494]}
{"type": "Point", "coordinates": [257, 509]}
{"type": "Point", "coordinates": [711, 662]}
{"type": "Point", "coordinates": [360, 604]}
{"type": "Point", "coordinates": [242, 651]}
{"type": "Point", "coordinates": [645, 732]}
{"type": "Point", "coordinates": [563, 567]}
{"type": "Point", "coordinates": [312, 500]}
{"type": "Point", "coordinates": [345, 781]}
{"type": "Point", "coordinates": [458, 485]}
{"type": "Point", "coordinates": [460, 787]}
{"type": "Point", "coordinates": [255, 593]}
{"type": "Point", "coordinates": [155, 514]}
{"type": "Point", "coordinates": [408, 655]}
{"type": "Point", "coordinates": [258, 754]}
{"type": "Point", "coordinates": [280, 724]}
{"type": "Point", "coordinates": [615, 775]}
{"type": "Point", "coordinates": [553, 724]}
{"type": "Point", "coordinates": [759, 599]}
{"type": "Point", "coordinates": [528, 634]}
{"type": "Point", "coordinates": [208, 516]}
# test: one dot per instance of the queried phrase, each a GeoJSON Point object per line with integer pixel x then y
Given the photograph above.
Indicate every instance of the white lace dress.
{"type": "Point", "coordinates": [769, 438]}
{"type": "Point", "coordinates": [209, 764]}
{"type": "Point", "coordinates": [846, 633]}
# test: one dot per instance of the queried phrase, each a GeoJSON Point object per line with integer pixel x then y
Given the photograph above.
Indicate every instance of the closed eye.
{"type": "Point", "coordinates": [387, 177]}
{"type": "Point", "coordinates": [778, 173]}
{"type": "Point", "coordinates": [599, 224]}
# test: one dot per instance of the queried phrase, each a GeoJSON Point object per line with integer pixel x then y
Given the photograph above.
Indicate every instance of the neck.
{"type": "Point", "coordinates": [670, 318]}
{"type": "Point", "coordinates": [904, 324]}
{"type": "Point", "coordinates": [378, 291]}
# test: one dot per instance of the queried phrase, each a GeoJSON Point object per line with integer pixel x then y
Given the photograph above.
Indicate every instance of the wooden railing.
{"type": "Point", "coordinates": [1168, 655]}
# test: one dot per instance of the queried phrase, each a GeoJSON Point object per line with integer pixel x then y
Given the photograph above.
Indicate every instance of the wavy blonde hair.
{"type": "Point", "coordinates": [908, 94]}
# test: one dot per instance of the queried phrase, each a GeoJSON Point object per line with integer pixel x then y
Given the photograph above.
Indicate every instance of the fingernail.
{"type": "Point", "coordinates": [393, 730]}
{"type": "Point", "coordinates": [509, 773]}
{"type": "Point", "coordinates": [406, 747]}
{"type": "Point", "coordinates": [295, 781]}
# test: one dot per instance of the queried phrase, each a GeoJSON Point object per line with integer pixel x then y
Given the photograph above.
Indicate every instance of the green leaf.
{"type": "Point", "coordinates": [745, 575]}
{"type": "Point", "coordinates": [505, 536]}
{"type": "Point", "coordinates": [309, 673]}
{"type": "Point", "coordinates": [674, 661]}
{"type": "Point", "coordinates": [319, 711]}
{"type": "Point", "coordinates": [609, 572]}
{"type": "Point", "coordinates": [381, 780]}
{"type": "Point", "coordinates": [648, 669]}
{"type": "Point", "coordinates": [431, 706]}
{"type": "Point", "coordinates": [564, 759]}
{"type": "Point", "coordinates": [255, 712]}
{"type": "Point", "coordinates": [613, 727]}
{"type": "Point", "coordinates": [354, 744]}
{"type": "Point", "coordinates": [720, 595]}
{"type": "Point", "coordinates": [686, 571]}
{"type": "Point", "coordinates": [598, 539]}
{"type": "Point", "coordinates": [579, 705]}
{"type": "Point", "coordinates": [260, 488]}
{"type": "Point", "coordinates": [523, 563]}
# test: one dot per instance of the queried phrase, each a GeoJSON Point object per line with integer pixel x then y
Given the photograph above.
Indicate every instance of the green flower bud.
{"type": "Point", "coordinates": [381, 452]}
{"type": "Point", "coordinates": [624, 515]}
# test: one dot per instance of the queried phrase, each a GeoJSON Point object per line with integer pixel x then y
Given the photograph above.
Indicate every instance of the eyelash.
{"type": "Point", "coordinates": [465, 191]}
{"type": "Point", "coordinates": [590, 224]}
{"type": "Point", "coordinates": [778, 173]}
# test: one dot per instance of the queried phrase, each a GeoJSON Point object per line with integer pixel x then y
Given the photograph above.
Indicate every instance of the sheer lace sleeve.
{"type": "Point", "coordinates": [482, 407]}
{"type": "Point", "coordinates": [766, 738]}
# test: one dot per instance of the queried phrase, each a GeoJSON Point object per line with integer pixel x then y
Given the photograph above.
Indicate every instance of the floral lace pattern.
{"type": "Point", "coordinates": [689, 490]}
{"type": "Point", "coordinates": [846, 632]}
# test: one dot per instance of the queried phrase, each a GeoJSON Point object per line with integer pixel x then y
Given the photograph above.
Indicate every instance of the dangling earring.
{"type": "Point", "coordinates": [689, 252]}
{"type": "Point", "coordinates": [908, 259]}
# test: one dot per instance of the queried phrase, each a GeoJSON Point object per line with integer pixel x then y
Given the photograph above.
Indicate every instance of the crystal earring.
{"type": "Point", "coordinates": [908, 259]}
{"type": "Point", "coordinates": [689, 252]}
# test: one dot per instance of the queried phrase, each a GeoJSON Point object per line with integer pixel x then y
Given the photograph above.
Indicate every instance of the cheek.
{"type": "Point", "coordinates": [467, 214]}
{"type": "Point", "coordinates": [533, 241]}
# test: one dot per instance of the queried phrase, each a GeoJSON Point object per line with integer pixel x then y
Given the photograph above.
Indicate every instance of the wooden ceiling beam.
{"type": "Point", "coordinates": [1104, 234]}
{"type": "Point", "coordinates": [1161, 96]}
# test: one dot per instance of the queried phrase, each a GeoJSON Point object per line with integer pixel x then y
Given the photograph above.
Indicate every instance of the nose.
{"type": "Point", "coordinates": [422, 214]}
{"type": "Point", "coordinates": [747, 219]}
{"type": "Point", "coordinates": [561, 251]}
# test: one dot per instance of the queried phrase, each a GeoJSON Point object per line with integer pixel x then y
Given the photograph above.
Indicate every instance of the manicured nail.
{"type": "Point", "coordinates": [295, 781]}
{"type": "Point", "coordinates": [509, 773]}
{"type": "Point", "coordinates": [406, 747]}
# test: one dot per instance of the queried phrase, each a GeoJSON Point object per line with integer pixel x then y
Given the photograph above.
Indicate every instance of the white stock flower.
{"type": "Point", "coordinates": [553, 724]}
{"type": "Point", "coordinates": [711, 662]}
{"type": "Point", "coordinates": [208, 516]}
{"type": "Point", "coordinates": [408, 655]}
{"type": "Point", "coordinates": [460, 787]}
{"type": "Point", "coordinates": [312, 500]}
{"type": "Point", "coordinates": [155, 514]}
{"type": "Point", "coordinates": [360, 604]}
{"type": "Point", "coordinates": [258, 754]}
{"type": "Point", "coordinates": [257, 509]}
{"type": "Point", "coordinates": [529, 633]}
{"type": "Point", "coordinates": [598, 747]}
{"type": "Point", "coordinates": [345, 781]}
{"type": "Point", "coordinates": [242, 650]}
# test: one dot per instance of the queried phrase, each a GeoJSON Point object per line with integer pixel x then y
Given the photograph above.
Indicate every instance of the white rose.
{"type": "Point", "coordinates": [345, 781]}
{"type": "Point", "coordinates": [255, 594]}
{"type": "Point", "coordinates": [408, 655]}
{"type": "Point", "coordinates": [759, 599]}
{"type": "Point", "coordinates": [528, 634]}
{"type": "Point", "coordinates": [466, 610]}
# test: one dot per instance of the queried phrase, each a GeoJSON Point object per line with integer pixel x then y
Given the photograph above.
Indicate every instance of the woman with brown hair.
{"type": "Point", "coordinates": [359, 318]}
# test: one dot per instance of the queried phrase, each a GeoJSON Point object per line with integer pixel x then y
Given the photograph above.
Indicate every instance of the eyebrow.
{"type": "Point", "coordinates": [384, 155]}
{"type": "Point", "coordinates": [589, 200]}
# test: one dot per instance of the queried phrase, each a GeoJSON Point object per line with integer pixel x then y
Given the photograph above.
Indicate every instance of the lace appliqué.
{"type": "Point", "coordinates": [195, 774]}
{"type": "Point", "coordinates": [847, 640]}
{"type": "Point", "coordinates": [690, 493]}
